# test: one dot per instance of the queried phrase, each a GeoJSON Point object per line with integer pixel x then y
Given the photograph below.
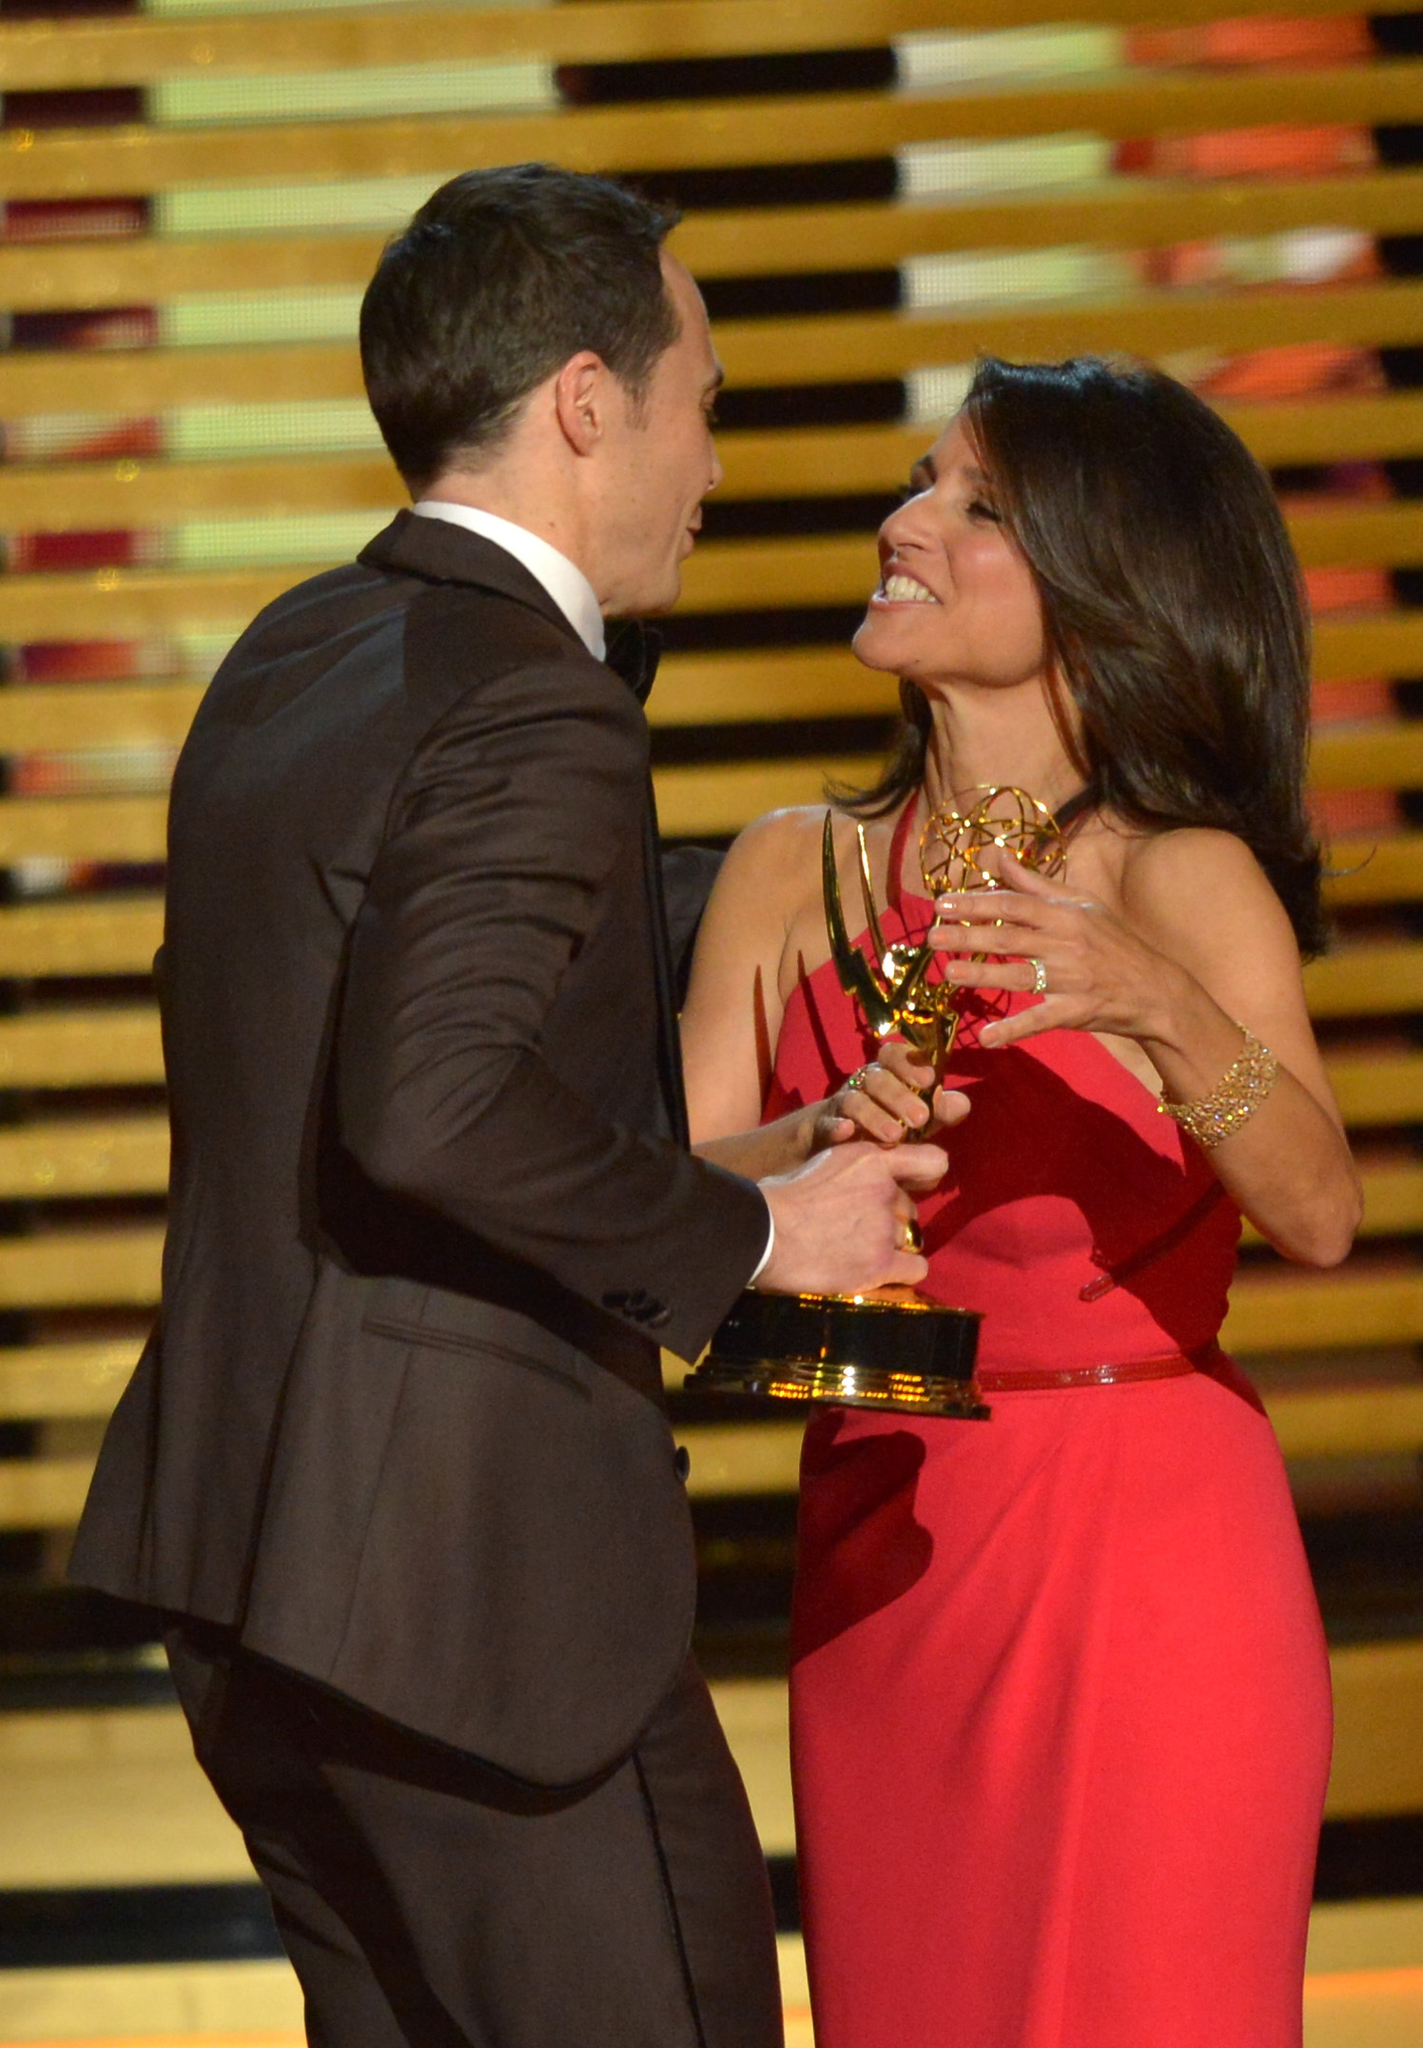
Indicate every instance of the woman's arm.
{"type": "Point", "coordinates": [768, 882]}
{"type": "Point", "coordinates": [1202, 947]}
{"type": "Point", "coordinates": [733, 1011]}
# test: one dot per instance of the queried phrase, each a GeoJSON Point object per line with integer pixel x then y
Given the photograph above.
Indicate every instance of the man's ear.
{"type": "Point", "coordinates": [580, 397]}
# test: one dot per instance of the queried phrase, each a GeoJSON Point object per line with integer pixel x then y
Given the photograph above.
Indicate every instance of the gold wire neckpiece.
{"type": "Point", "coordinates": [953, 842]}
{"type": "Point", "coordinates": [1234, 1099]}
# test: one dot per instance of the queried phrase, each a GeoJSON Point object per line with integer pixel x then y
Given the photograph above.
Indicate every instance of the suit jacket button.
{"type": "Point", "coordinates": [660, 1317]}
{"type": "Point", "coordinates": [682, 1463]}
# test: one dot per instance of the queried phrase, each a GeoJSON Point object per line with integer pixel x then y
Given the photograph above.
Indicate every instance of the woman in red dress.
{"type": "Point", "coordinates": [1059, 1691]}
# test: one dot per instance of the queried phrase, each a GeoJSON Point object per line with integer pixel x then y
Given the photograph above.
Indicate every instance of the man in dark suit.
{"type": "Point", "coordinates": [395, 1465]}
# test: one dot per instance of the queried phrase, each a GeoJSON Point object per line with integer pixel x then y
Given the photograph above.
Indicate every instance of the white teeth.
{"type": "Point", "coordinates": [906, 590]}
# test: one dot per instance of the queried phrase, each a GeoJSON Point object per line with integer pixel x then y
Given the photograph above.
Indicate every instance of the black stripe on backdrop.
{"type": "Point", "coordinates": [175, 1923]}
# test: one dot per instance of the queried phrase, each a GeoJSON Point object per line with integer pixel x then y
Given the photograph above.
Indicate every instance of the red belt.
{"type": "Point", "coordinates": [1173, 1366]}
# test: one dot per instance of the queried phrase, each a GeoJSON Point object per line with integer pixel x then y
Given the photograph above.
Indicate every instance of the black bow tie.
{"type": "Point", "coordinates": [633, 653]}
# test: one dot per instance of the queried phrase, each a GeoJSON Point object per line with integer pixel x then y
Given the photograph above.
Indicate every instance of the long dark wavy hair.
{"type": "Point", "coordinates": [1172, 607]}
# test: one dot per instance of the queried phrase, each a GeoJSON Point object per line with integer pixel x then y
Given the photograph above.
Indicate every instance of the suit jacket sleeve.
{"type": "Point", "coordinates": [504, 832]}
{"type": "Point", "coordinates": [688, 876]}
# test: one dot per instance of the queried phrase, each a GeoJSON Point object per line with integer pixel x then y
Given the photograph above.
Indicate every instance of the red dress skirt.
{"type": "Point", "coordinates": [1060, 1716]}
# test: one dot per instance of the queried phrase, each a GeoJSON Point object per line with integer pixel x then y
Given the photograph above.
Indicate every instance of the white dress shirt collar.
{"type": "Point", "coordinates": [563, 580]}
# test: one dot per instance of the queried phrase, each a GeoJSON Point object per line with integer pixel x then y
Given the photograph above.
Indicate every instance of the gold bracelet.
{"type": "Point", "coordinates": [1234, 1099]}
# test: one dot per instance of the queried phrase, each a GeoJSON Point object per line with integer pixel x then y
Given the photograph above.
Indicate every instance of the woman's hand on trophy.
{"type": "Point", "coordinates": [1040, 937]}
{"type": "Point", "coordinates": [885, 1100]}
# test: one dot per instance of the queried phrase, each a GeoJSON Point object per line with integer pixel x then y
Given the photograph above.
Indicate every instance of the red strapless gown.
{"type": "Point", "coordinates": [1060, 1714]}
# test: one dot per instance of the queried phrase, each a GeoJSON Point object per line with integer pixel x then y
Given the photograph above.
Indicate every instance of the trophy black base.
{"type": "Point", "coordinates": [901, 1355]}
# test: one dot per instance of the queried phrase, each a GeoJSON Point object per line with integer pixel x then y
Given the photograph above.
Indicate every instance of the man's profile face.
{"type": "Point", "coordinates": [664, 461]}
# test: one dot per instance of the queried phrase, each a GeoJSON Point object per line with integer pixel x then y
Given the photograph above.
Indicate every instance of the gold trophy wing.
{"type": "Point", "coordinates": [885, 992]}
{"type": "Point", "coordinates": [857, 977]}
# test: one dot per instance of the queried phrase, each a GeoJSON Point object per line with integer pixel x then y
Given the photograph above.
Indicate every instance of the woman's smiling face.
{"type": "Point", "coordinates": [956, 600]}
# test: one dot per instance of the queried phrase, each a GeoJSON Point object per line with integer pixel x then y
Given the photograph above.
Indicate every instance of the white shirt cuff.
{"type": "Point", "coordinates": [770, 1247]}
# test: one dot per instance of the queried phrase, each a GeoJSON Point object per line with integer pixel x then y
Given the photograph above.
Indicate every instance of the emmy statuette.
{"type": "Point", "coordinates": [891, 1348]}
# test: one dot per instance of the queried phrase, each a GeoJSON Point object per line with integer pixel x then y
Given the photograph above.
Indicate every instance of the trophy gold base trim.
{"type": "Point", "coordinates": [897, 1354]}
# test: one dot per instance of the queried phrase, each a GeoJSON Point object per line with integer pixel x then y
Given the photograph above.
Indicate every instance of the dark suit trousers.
{"type": "Point", "coordinates": [429, 1902]}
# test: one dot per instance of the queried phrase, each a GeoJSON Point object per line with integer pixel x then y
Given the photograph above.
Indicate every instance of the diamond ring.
{"type": "Point", "coordinates": [1039, 975]}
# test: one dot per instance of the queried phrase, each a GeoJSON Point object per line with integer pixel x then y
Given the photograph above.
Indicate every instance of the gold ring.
{"type": "Point", "coordinates": [912, 1240]}
{"type": "Point", "coordinates": [858, 1078]}
{"type": "Point", "coordinates": [1039, 975]}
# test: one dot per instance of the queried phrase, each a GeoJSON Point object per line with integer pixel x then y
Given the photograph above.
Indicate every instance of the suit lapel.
{"type": "Point", "coordinates": [633, 653]}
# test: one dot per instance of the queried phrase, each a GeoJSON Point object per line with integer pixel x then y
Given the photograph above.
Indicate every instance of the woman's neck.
{"type": "Point", "coordinates": [988, 738]}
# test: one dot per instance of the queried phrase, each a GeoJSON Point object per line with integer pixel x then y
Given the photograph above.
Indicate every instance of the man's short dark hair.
{"type": "Point", "coordinates": [502, 276]}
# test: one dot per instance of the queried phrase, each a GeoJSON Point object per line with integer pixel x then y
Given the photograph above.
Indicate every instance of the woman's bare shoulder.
{"type": "Point", "coordinates": [785, 829]}
{"type": "Point", "coordinates": [1187, 857]}
{"type": "Point", "coordinates": [770, 866]}
{"type": "Point", "coordinates": [1200, 882]}
{"type": "Point", "coordinates": [780, 847]}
